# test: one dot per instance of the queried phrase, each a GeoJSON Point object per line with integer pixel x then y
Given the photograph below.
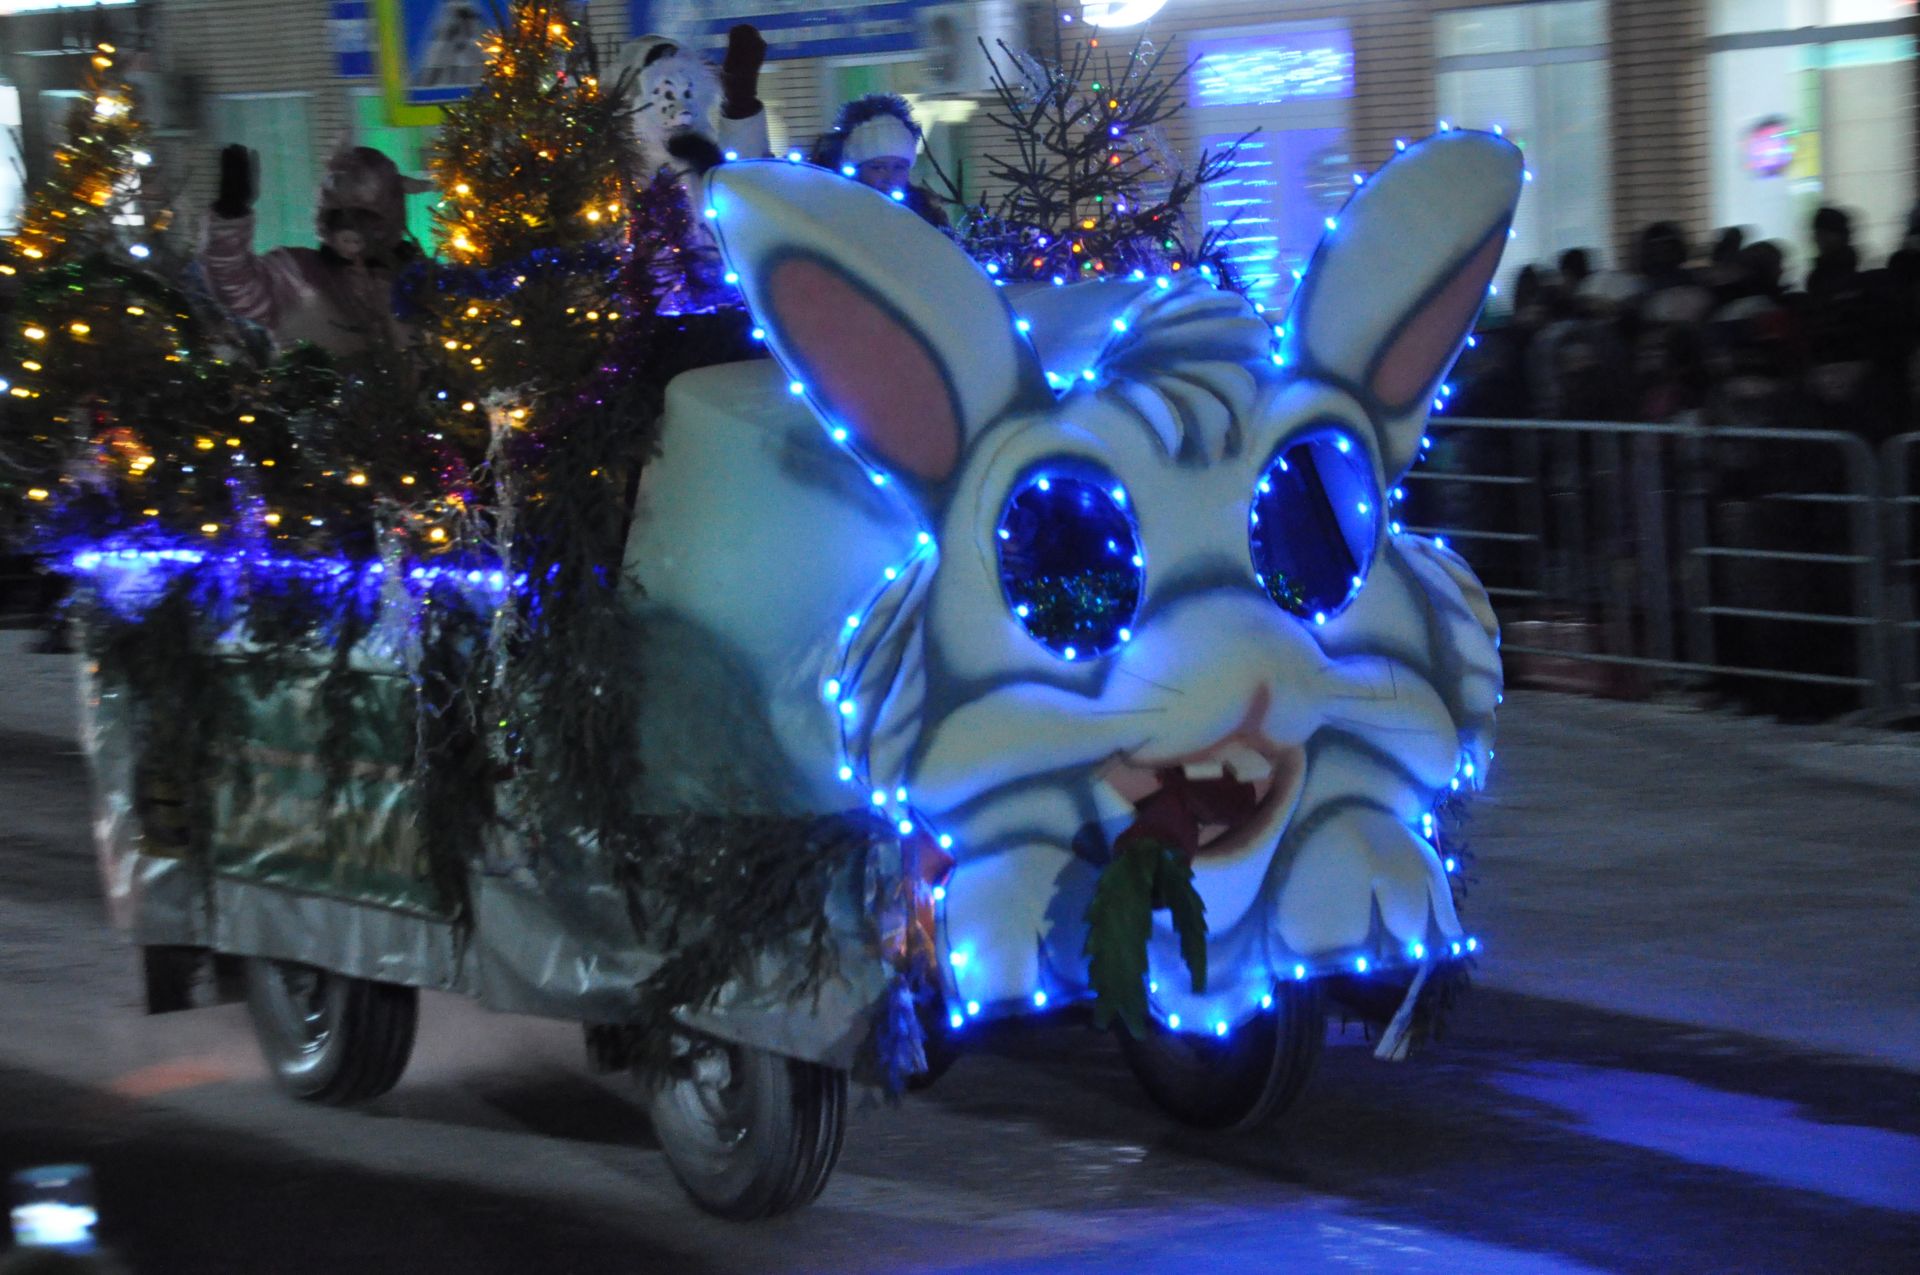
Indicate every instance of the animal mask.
{"type": "Point", "coordinates": [678, 92]}
{"type": "Point", "coordinates": [362, 180]}
{"type": "Point", "coordinates": [1003, 564]}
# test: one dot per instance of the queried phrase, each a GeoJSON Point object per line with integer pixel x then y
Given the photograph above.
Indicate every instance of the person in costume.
{"type": "Point", "coordinates": [875, 140]}
{"type": "Point", "coordinates": [338, 296]}
{"type": "Point", "coordinates": [681, 97]}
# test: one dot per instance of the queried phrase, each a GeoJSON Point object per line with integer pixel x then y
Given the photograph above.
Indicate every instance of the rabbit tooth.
{"type": "Point", "coordinates": [1249, 764]}
{"type": "Point", "coordinates": [1204, 769]}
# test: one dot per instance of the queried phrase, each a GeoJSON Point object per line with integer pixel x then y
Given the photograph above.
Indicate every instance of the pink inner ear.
{"type": "Point", "coordinates": [1421, 351]}
{"type": "Point", "coordinates": [874, 374]}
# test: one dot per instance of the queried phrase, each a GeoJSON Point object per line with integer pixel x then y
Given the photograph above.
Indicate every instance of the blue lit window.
{"type": "Point", "coordinates": [1070, 562]}
{"type": "Point", "coordinates": [1263, 70]}
{"type": "Point", "coordinates": [1313, 525]}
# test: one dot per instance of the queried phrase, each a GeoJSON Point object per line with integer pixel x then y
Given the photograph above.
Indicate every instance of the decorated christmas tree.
{"type": "Point", "coordinates": [94, 358]}
{"type": "Point", "coordinates": [1081, 185]}
{"type": "Point", "coordinates": [94, 170]}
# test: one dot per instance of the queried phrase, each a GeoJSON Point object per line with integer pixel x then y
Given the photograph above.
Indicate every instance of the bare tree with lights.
{"type": "Point", "coordinates": [1085, 186]}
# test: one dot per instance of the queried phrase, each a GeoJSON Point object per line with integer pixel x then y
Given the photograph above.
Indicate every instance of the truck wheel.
{"type": "Point", "coordinates": [327, 1037]}
{"type": "Point", "coordinates": [1243, 1080]}
{"type": "Point", "coordinates": [748, 1133]}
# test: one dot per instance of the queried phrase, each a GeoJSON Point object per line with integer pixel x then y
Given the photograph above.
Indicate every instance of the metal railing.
{"type": "Point", "coordinates": [1702, 556]}
{"type": "Point", "coordinates": [1900, 475]}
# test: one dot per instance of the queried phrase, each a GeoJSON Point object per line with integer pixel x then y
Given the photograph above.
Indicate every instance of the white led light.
{"type": "Point", "coordinates": [1360, 964]}
{"type": "Point", "coordinates": [796, 387]}
{"type": "Point", "coordinates": [879, 798]}
{"type": "Point", "coordinates": [1173, 1021]}
{"type": "Point", "coordinates": [1119, 325]}
{"type": "Point", "coordinates": [732, 155]}
{"type": "Point", "coordinates": [973, 1007]}
{"type": "Point", "coordinates": [846, 774]}
{"type": "Point", "coordinates": [759, 334]}
{"type": "Point", "coordinates": [1266, 1002]}
{"type": "Point", "coordinates": [954, 1020]}
{"type": "Point", "coordinates": [906, 827]}
{"type": "Point", "coordinates": [1219, 1029]}
{"type": "Point", "coordinates": [1039, 1000]}
{"type": "Point", "coordinates": [939, 894]}
{"type": "Point", "coordinates": [946, 843]}
{"type": "Point", "coordinates": [732, 277]}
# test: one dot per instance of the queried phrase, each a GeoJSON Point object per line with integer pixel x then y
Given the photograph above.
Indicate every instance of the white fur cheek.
{"type": "Point", "coordinates": [1394, 709]}
{"type": "Point", "coordinates": [1356, 859]}
{"type": "Point", "coordinates": [1001, 910]}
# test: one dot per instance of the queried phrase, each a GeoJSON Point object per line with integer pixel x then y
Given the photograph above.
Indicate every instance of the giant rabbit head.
{"type": "Point", "coordinates": [1158, 547]}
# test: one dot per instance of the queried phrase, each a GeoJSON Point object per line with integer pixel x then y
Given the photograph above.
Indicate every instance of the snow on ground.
{"type": "Point", "coordinates": [1703, 868]}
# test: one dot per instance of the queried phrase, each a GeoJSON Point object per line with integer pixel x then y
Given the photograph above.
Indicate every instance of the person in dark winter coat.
{"type": "Point", "coordinates": [875, 140]}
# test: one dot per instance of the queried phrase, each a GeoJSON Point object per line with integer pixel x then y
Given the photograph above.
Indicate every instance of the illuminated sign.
{"type": "Point", "coordinates": [793, 28]}
{"type": "Point", "coordinates": [1270, 69]}
{"type": "Point", "coordinates": [8, 7]}
{"type": "Point", "coordinates": [1120, 13]}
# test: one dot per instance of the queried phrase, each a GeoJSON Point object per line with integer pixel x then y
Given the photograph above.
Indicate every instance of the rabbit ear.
{"type": "Point", "coordinates": [892, 333]}
{"type": "Point", "coordinates": [1397, 282]}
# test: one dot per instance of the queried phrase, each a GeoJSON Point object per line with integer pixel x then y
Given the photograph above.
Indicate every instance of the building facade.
{"type": "Point", "coordinates": [1703, 112]}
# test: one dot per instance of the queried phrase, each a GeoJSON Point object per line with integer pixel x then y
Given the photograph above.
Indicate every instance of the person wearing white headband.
{"type": "Point", "coordinates": [875, 140]}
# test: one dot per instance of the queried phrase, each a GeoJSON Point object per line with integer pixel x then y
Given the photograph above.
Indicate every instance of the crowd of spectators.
{"type": "Point", "coordinates": [1724, 340]}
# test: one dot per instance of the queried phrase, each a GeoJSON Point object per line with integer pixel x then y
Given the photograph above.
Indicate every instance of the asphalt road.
{"type": "Point", "coordinates": [1540, 1136]}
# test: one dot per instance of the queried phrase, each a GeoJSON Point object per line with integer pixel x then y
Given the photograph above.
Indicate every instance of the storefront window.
{"type": "Point", "coordinates": [1539, 74]}
{"type": "Point", "coordinates": [12, 160]}
{"type": "Point", "coordinates": [407, 145]}
{"type": "Point", "coordinates": [1812, 104]}
{"type": "Point", "coordinates": [276, 126]}
{"type": "Point", "coordinates": [1294, 85]}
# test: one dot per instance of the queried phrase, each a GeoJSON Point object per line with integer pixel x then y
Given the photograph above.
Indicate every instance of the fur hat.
{"type": "Point", "coordinates": [878, 126]}
{"type": "Point", "coordinates": [362, 179]}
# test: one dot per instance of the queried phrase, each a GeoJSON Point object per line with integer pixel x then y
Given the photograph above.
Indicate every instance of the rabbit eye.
{"type": "Point", "coordinates": [1070, 562]}
{"type": "Point", "coordinates": [1313, 526]}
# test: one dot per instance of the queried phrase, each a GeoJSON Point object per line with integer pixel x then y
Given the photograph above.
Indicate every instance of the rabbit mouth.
{"type": "Point", "coordinates": [1237, 821]}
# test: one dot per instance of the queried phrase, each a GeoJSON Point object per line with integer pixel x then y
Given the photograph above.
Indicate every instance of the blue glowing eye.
{"type": "Point", "coordinates": [1312, 526]}
{"type": "Point", "coordinates": [1070, 561]}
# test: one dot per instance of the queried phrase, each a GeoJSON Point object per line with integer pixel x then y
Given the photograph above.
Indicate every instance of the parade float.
{"type": "Point", "coordinates": [781, 674]}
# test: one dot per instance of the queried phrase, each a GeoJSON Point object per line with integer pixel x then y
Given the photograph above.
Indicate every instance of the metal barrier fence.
{"type": "Point", "coordinates": [1775, 566]}
{"type": "Point", "coordinates": [1900, 473]}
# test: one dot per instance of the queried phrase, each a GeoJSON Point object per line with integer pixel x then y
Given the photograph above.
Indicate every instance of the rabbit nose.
{"type": "Point", "coordinates": [1216, 656]}
{"type": "Point", "coordinates": [1210, 661]}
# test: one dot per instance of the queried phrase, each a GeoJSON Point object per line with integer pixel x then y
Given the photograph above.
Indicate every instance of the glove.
{"type": "Point", "coordinates": [740, 72]}
{"type": "Point", "coordinates": [238, 185]}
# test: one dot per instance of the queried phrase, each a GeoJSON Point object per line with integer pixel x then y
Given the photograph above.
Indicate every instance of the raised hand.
{"type": "Point", "coordinates": [740, 72]}
{"type": "Point", "coordinates": [239, 181]}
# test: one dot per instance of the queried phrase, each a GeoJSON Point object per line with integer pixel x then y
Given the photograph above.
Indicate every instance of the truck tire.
{"type": "Point", "coordinates": [328, 1037]}
{"type": "Point", "coordinates": [748, 1133]}
{"type": "Point", "coordinates": [1239, 1082]}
